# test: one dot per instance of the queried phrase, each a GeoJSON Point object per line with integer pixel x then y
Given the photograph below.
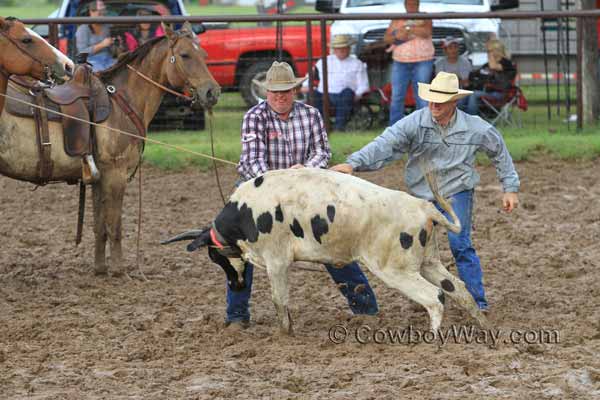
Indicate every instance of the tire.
{"type": "Point", "coordinates": [251, 93]}
{"type": "Point", "coordinates": [361, 119]}
{"type": "Point", "coordinates": [193, 123]}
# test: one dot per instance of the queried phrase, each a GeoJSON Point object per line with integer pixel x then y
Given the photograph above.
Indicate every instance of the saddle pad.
{"type": "Point", "coordinates": [19, 109]}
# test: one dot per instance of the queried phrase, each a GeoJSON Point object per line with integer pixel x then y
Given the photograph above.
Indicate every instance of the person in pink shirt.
{"type": "Point", "coordinates": [413, 53]}
{"type": "Point", "coordinates": [143, 32]}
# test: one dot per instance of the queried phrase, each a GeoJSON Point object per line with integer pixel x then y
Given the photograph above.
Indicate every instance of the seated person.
{"type": "Point", "coordinates": [95, 40]}
{"type": "Point", "coordinates": [347, 80]}
{"type": "Point", "coordinates": [142, 32]}
{"type": "Point", "coordinates": [454, 63]}
{"type": "Point", "coordinates": [493, 78]}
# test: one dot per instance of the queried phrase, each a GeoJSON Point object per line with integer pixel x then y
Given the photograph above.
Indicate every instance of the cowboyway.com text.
{"type": "Point", "coordinates": [454, 334]}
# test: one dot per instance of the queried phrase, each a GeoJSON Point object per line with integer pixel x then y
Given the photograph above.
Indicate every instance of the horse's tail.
{"type": "Point", "coordinates": [437, 216]}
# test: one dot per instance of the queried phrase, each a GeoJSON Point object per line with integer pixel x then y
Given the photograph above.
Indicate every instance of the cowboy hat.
{"type": "Point", "coordinates": [443, 88]}
{"type": "Point", "coordinates": [342, 41]}
{"type": "Point", "coordinates": [280, 78]}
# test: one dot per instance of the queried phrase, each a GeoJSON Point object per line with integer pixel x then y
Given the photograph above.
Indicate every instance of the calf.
{"type": "Point", "coordinates": [323, 216]}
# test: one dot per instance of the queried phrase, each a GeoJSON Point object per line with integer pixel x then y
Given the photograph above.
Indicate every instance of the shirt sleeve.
{"type": "Point", "coordinates": [362, 86]}
{"type": "Point", "coordinates": [384, 149]}
{"type": "Point", "coordinates": [82, 40]}
{"type": "Point", "coordinates": [319, 151]}
{"type": "Point", "coordinates": [494, 146]}
{"type": "Point", "coordinates": [253, 157]}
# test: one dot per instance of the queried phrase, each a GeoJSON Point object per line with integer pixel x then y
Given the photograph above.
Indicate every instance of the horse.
{"type": "Point", "coordinates": [24, 52]}
{"type": "Point", "coordinates": [175, 60]}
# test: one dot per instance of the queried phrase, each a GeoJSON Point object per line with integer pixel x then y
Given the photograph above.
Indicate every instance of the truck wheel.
{"type": "Point", "coordinates": [252, 93]}
{"type": "Point", "coordinates": [361, 119]}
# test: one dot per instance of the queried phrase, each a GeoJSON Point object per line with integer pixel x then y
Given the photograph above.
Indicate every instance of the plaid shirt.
{"type": "Point", "coordinates": [271, 143]}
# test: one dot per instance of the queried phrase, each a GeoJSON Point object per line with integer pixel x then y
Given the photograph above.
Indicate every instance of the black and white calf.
{"type": "Point", "coordinates": [323, 216]}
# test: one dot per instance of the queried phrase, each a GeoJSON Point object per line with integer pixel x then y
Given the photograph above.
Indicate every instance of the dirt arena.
{"type": "Point", "coordinates": [67, 334]}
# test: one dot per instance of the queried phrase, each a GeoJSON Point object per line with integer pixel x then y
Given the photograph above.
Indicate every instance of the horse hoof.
{"type": "Point", "coordinates": [101, 271]}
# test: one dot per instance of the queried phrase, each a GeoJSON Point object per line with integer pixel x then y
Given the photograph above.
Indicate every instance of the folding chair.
{"type": "Point", "coordinates": [501, 111]}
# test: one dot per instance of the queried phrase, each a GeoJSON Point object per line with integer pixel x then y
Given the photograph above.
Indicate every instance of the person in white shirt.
{"type": "Point", "coordinates": [347, 80]}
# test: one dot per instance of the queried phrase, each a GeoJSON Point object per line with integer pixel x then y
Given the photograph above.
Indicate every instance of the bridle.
{"type": "Point", "coordinates": [46, 68]}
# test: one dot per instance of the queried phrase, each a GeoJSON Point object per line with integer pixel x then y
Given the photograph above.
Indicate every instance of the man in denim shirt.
{"type": "Point", "coordinates": [445, 139]}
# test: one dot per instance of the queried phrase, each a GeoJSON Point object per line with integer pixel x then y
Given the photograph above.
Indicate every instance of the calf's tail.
{"type": "Point", "coordinates": [437, 216]}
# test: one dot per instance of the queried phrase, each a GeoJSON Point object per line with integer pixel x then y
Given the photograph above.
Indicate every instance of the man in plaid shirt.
{"type": "Point", "coordinates": [282, 133]}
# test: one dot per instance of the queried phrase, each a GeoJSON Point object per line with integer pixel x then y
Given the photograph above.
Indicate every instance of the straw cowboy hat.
{"type": "Point", "coordinates": [342, 41]}
{"type": "Point", "coordinates": [280, 78]}
{"type": "Point", "coordinates": [443, 88]}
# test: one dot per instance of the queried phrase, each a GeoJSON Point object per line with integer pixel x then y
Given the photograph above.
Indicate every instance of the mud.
{"type": "Point", "coordinates": [67, 334]}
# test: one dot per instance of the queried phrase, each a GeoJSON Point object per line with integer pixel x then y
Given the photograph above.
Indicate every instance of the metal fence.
{"type": "Point", "coordinates": [321, 34]}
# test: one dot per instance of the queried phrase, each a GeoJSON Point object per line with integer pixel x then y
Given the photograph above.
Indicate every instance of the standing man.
{"type": "Point", "coordinates": [347, 80]}
{"type": "Point", "coordinates": [282, 133]}
{"type": "Point", "coordinates": [447, 139]}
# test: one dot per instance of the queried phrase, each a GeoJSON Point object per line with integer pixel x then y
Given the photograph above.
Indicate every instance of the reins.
{"type": "Point", "coordinates": [146, 139]}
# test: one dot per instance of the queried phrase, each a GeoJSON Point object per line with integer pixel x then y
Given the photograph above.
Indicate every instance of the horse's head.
{"type": "Point", "coordinates": [24, 52]}
{"type": "Point", "coordinates": [186, 66]}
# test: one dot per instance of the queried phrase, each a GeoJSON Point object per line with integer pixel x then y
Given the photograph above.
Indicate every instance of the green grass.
{"type": "Point", "coordinates": [554, 139]}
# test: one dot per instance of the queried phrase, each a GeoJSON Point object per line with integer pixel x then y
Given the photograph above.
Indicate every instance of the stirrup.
{"type": "Point", "coordinates": [90, 172]}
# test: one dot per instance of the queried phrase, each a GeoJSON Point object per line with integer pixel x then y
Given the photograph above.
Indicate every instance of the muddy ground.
{"type": "Point", "coordinates": [67, 334]}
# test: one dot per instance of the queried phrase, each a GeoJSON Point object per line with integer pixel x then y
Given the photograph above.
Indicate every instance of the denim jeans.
{"type": "Point", "coordinates": [342, 102]}
{"type": "Point", "coordinates": [100, 61]}
{"type": "Point", "coordinates": [402, 75]}
{"type": "Point", "coordinates": [350, 279]}
{"type": "Point", "coordinates": [473, 100]}
{"type": "Point", "coordinates": [467, 262]}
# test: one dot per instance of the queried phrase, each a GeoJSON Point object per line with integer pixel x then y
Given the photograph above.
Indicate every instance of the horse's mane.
{"type": "Point", "coordinates": [127, 58]}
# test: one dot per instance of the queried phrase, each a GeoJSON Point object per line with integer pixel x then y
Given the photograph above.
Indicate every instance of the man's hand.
{"type": "Point", "coordinates": [510, 201]}
{"type": "Point", "coordinates": [296, 166]}
{"type": "Point", "coordinates": [343, 168]}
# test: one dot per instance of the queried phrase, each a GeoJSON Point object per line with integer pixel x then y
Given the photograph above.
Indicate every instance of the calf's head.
{"type": "Point", "coordinates": [229, 258]}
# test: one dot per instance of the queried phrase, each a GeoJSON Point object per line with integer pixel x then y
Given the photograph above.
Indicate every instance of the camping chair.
{"type": "Point", "coordinates": [501, 111]}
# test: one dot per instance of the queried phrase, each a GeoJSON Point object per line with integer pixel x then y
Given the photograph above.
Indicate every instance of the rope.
{"type": "Point", "coordinates": [172, 146]}
{"type": "Point", "coordinates": [166, 89]}
{"type": "Point", "coordinates": [212, 148]}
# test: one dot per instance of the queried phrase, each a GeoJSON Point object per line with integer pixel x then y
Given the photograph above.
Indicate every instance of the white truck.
{"type": "Point", "coordinates": [474, 32]}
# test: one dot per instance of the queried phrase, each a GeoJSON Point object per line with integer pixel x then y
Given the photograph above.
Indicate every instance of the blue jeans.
{"type": "Point", "coordinates": [100, 61]}
{"type": "Point", "coordinates": [467, 262]}
{"type": "Point", "coordinates": [343, 103]}
{"type": "Point", "coordinates": [402, 75]}
{"type": "Point", "coordinates": [350, 279]}
{"type": "Point", "coordinates": [473, 101]}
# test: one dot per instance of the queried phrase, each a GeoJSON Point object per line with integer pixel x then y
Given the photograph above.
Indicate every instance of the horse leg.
{"type": "Point", "coordinates": [114, 184]}
{"type": "Point", "coordinates": [108, 204]}
{"type": "Point", "coordinates": [100, 234]}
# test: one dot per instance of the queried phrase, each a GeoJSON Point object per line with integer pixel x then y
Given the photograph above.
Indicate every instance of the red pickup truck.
{"type": "Point", "coordinates": [236, 56]}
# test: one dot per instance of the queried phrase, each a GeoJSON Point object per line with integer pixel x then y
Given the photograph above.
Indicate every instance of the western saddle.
{"type": "Point", "coordinates": [84, 97]}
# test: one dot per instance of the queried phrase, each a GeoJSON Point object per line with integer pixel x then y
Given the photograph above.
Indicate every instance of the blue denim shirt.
{"type": "Point", "coordinates": [452, 156]}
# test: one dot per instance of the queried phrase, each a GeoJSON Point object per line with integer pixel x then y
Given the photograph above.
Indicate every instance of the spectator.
{"type": "Point", "coordinates": [282, 133]}
{"type": "Point", "coordinates": [422, 135]}
{"type": "Point", "coordinates": [412, 52]}
{"type": "Point", "coordinates": [142, 32]}
{"type": "Point", "coordinates": [454, 63]}
{"type": "Point", "coordinates": [95, 40]}
{"type": "Point", "coordinates": [493, 78]}
{"type": "Point", "coordinates": [347, 80]}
